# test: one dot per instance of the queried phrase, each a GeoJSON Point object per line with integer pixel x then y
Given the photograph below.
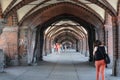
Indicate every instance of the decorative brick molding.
{"type": "Point", "coordinates": [10, 29]}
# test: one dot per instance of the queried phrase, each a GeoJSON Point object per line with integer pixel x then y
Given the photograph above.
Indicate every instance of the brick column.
{"type": "Point", "coordinates": [37, 50]}
{"type": "Point", "coordinates": [109, 37]}
{"type": "Point", "coordinates": [47, 46]}
{"type": "Point", "coordinates": [77, 47]}
{"type": "Point", "coordinates": [31, 45]}
{"type": "Point", "coordinates": [118, 55]}
{"type": "Point", "coordinates": [115, 46]}
{"type": "Point", "coordinates": [23, 43]}
{"type": "Point", "coordinates": [10, 47]}
{"type": "Point", "coordinates": [41, 45]}
{"type": "Point", "coordinates": [84, 45]}
{"type": "Point", "coordinates": [44, 46]}
{"type": "Point", "coordinates": [50, 45]}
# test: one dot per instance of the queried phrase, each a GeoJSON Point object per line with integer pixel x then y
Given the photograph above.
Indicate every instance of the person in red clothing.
{"type": "Point", "coordinates": [98, 53]}
{"type": "Point", "coordinates": [58, 47]}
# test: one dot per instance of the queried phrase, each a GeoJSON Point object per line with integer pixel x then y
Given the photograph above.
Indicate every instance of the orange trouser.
{"type": "Point", "coordinates": [100, 68]}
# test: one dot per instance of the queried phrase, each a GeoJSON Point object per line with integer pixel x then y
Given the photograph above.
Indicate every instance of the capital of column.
{"type": "Point", "coordinates": [10, 29]}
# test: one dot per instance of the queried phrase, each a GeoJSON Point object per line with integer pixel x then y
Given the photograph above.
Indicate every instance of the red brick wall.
{"type": "Point", "coordinates": [109, 34]}
{"type": "Point", "coordinates": [9, 21]}
{"type": "Point", "coordinates": [8, 41]}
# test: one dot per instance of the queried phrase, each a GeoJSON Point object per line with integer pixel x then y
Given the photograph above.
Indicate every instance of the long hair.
{"type": "Point", "coordinates": [97, 43]}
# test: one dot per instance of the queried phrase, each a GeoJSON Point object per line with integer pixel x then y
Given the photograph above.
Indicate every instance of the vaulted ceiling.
{"type": "Point", "coordinates": [66, 31]}
{"type": "Point", "coordinates": [82, 16]}
{"type": "Point", "coordinates": [36, 12]}
{"type": "Point", "coordinates": [25, 8]}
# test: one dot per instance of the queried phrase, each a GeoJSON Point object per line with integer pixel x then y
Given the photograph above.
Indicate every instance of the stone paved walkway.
{"type": "Point", "coordinates": [64, 66]}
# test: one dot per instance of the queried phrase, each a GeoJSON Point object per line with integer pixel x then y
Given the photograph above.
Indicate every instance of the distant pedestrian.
{"type": "Point", "coordinates": [98, 53]}
{"type": "Point", "coordinates": [57, 46]}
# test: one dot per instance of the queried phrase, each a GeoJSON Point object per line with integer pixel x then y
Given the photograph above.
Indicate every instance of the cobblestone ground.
{"type": "Point", "coordinates": [67, 65]}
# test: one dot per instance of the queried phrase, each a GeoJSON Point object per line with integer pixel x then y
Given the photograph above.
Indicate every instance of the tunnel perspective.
{"type": "Point", "coordinates": [30, 28]}
{"type": "Point", "coordinates": [65, 34]}
{"type": "Point", "coordinates": [66, 31]}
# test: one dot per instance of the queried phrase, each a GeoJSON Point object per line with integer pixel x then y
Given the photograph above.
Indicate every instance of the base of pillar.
{"type": "Point", "coordinates": [41, 59]}
{"type": "Point", "coordinates": [14, 62]}
{"type": "Point", "coordinates": [116, 68]}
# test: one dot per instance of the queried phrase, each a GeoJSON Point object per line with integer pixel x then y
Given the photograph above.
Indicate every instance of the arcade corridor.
{"type": "Point", "coordinates": [31, 30]}
{"type": "Point", "coordinates": [69, 65]}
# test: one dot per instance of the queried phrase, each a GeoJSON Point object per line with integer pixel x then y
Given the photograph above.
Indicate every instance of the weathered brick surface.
{"type": "Point", "coordinates": [8, 41]}
{"type": "Point", "coordinates": [9, 21]}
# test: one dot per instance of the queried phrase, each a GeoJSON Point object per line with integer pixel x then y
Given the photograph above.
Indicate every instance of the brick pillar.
{"type": "Point", "coordinates": [38, 46]}
{"type": "Point", "coordinates": [10, 37]}
{"type": "Point", "coordinates": [86, 54]}
{"type": "Point", "coordinates": [41, 42]}
{"type": "Point", "coordinates": [50, 45]}
{"type": "Point", "coordinates": [82, 46]}
{"type": "Point", "coordinates": [118, 56]}
{"type": "Point", "coordinates": [115, 47]}
{"type": "Point", "coordinates": [22, 48]}
{"type": "Point", "coordinates": [77, 47]}
{"type": "Point", "coordinates": [109, 37]}
{"type": "Point", "coordinates": [31, 45]}
{"type": "Point", "coordinates": [80, 43]}
{"type": "Point", "coordinates": [45, 49]}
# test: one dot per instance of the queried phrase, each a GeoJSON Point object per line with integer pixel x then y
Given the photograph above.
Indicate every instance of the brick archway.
{"type": "Point", "coordinates": [46, 13]}
{"type": "Point", "coordinates": [89, 27]}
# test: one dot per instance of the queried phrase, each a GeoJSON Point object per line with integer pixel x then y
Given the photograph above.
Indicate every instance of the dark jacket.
{"type": "Point", "coordinates": [100, 53]}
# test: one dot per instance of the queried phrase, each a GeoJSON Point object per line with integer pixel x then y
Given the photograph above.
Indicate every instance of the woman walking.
{"type": "Point", "coordinates": [98, 53]}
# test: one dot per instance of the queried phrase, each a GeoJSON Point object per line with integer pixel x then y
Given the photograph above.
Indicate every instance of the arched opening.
{"type": "Point", "coordinates": [85, 25]}
{"type": "Point", "coordinates": [40, 19]}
